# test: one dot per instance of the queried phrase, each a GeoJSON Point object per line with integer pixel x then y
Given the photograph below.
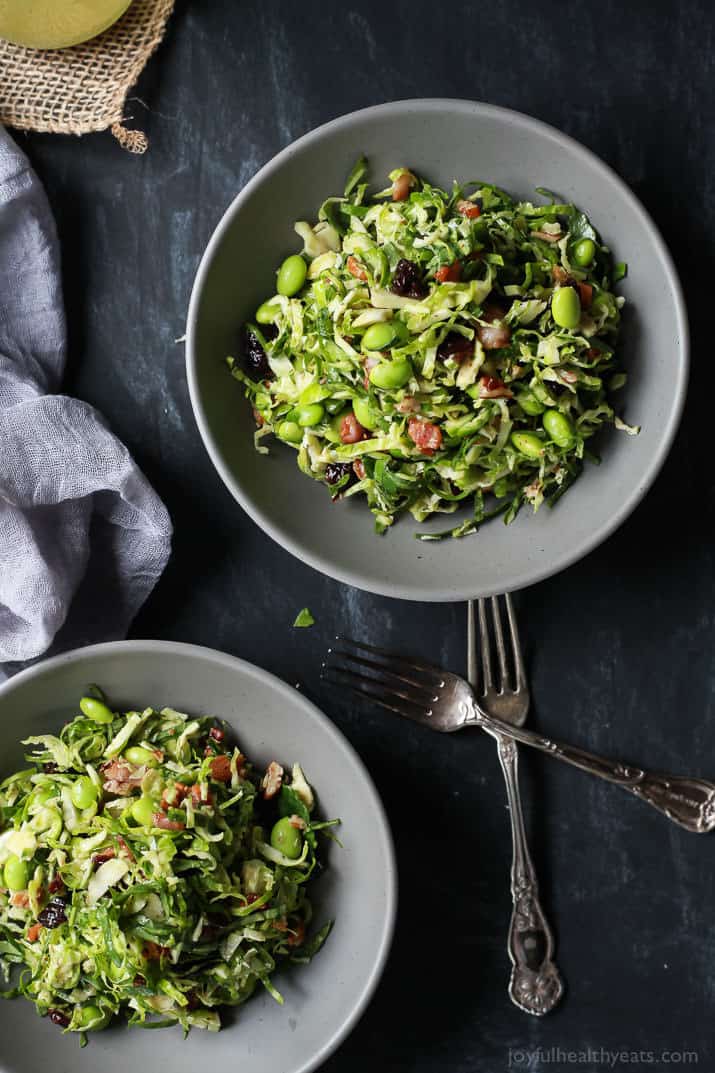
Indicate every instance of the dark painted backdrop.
{"type": "Point", "coordinates": [619, 646]}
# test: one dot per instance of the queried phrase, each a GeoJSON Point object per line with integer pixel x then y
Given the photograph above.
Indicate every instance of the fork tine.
{"type": "Point", "coordinates": [484, 641]}
{"type": "Point", "coordinates": [382, 684]}
{"type": "Point", "coordinates": [394, 658]}
{"type": "Point", "coordinates": [358, 685]}
{"type": "Point", "coordinates": [515, 644]}
{"type": "Point", "coordinates": [501, 650]}
{"type": "Point", "coordinates": [384, 669]}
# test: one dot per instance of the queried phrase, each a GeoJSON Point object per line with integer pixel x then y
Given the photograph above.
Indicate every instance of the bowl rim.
{"type": "Point", "coordinates": [338, 739]}
{"type": "Point", "coordinates": [418, 591]}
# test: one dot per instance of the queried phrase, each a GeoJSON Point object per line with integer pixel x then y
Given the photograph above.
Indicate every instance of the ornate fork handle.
{"type": "Point", "coordinates": [689, 802]}
{"type": "Point", "coordinates": [535, 984]}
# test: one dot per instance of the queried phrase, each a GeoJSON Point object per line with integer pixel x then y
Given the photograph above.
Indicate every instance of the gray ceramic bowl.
{"type": "Point", "coordinates": [442, 140]}
{"type": "Point", "coordinates": [323, 1000]}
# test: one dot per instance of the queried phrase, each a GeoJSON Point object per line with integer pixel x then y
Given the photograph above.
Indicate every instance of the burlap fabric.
{"type": "Point", "coordinates": [82, 89]}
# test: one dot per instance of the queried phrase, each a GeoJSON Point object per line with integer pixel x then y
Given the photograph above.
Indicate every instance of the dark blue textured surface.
{"type": "Point", "coordinates": [620, 646]}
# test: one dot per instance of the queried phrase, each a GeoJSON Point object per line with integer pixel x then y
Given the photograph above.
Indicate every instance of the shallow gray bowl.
{"type": "Point", "coordinates": [323, 1000]}
{"type": "Point", "coordinates": [442, 140]}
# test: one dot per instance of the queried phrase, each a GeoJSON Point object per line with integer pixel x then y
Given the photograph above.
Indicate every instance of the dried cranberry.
{"type": "Point", "coordinates": [255, 359]}
{"type": "Point", "coordinates": [407, 280]}
{"type": "Point", "coordinates": [455, 346]}
{"type": "Point", "coordinates": [217, 734]}
{"type": "Point", "coordinates": [53, 914]}
{"type": "Point", "coordinates": [335, 471]}
{"type": "Point", "coordinates": [58, 1018]}
{"type": "Point", "coordinates": [251, 898]}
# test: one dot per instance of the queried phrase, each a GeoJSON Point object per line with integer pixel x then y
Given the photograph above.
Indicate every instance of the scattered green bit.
{"type": "Point", "coordinates": [304, 618]}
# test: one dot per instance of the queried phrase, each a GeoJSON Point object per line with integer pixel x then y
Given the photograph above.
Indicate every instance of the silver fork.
{"type": "Point", "coordinates": [535, 985]}
{"type": "Point", "coordinates": [444, 701]}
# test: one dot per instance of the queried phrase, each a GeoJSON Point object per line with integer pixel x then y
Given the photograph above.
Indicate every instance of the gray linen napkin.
{"type": "Point", "coordinates": [83, 536]}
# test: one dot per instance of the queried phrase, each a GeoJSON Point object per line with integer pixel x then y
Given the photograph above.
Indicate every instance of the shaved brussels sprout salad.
{"type": "Point", "coordinates": [430, 349]}
{"type": "Point", "coordinates": [147, 871]}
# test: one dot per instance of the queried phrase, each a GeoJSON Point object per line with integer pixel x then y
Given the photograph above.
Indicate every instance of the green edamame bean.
{"type": "Point", "coordinates": [267, 313]}
{"type": "Point", "coordinates": [137, 754]}
{"type": "Point", "coordinates": [142, 810]}
{"type": "Point", "coordinates": [378, 336]}
{"type": "Point", "coordinates": [390, 375]}
{"type": "Point", "coordinates": [365, 413]}
{"type": "Point", "coordinates": [90, 1015]}
{"type": "Point", "coordinates": [290, 431]}
{"type": "Point", "coordinates": [286, 838]}
{"type": "Point", "coordinates": [15, 873]}
{"type": "Point", "coordinates": [83, 792]}
{"type": "Point", "coordinates": [291, 275]}
{"type": "Point", "coordinates": [558, 427]}
{"type": "Point", "coordinates": [310, 415]}
{"type": "Point", "coordinates": [566, 307]}
{"type": "Point", "coordinates": [584, 252]}
{"type": "Point", "coordinates": [528, 443]}
{"type": "Point", "coordinates": [529, 403]}
{"type": "Point", "coordinates": [96, 709]}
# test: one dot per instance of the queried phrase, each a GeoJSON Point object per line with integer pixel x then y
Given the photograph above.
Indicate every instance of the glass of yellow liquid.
{"type": "Point", "coordinates": [57, 23]}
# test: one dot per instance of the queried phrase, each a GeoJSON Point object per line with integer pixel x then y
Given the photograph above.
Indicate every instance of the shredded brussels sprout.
{"type": "Point", "coordinates": [147, 871]}
{"type": "Point", "coordinates": [433, 349]}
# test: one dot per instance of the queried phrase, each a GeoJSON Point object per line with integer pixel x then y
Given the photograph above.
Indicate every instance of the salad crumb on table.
{"type": "Point", "coordinates": [434, 349]}
{"type": "Point", "coordinates": [146, 870]}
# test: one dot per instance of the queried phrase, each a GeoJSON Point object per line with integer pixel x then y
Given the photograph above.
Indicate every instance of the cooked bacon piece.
{"type": "Point", "coordinates": [174, 795]}
{"type": "Point", "coordinates": [369, 364]}
{"type": "Point", "coordinates": [122, 778]}
{"type": "Point", "coordinates": [468, 209]}
{"type": "Point", "coordinates": [20, 899]}
{"type": "Point", "coordinates": [107, 854]}
{"type": "Point", "coordinates": [355, 268]}
{"type": "Point", "coordinates": [494, 334]}
{"type": "Point", "coordinates": [402, 186]}
{"type": "Point", "coordinates": [297, 936]}
{"type": "Point", "coordinates": [491, 387]}
{"type": "Point", "coordinates": [449, 273]}
{"type": "Point", "coordinates": [296, 932]}
{"type": "Point", "coordinates": [351, 431]}
{"type": "Point", "coordinates": [585, 291]}
{"type": "Point", "coordinates": [33, 933]}
{"type": "Point", "coordinates": [408, 405]}
{"type": "Point", "coordinates": [298, 822]}
{"type": "Point", "coordinates": [154, 952]}
{"type": "Point", "coordinates": [272, 780]}
{"type": "Point", "coordinates": [561, 276]}
{"type": "Point", "coordinates": [163, 822]}
{"type": "Point", "coordinates": [258, 417]}
{"type": "Point", "coordinates": [202, 797]}
{"type": "Point", "coordinates": [359, 469]}
{"type": "Point", "coordinates": [220, 768]}
{"type": "Point", "coordinates": [426, 436]}
{"type": "Point", "coordinates": [546, 236]}
{"type": "Point", "coordinates": [56, 884]}
{"type": "Point", "coordinates": [125, 848]}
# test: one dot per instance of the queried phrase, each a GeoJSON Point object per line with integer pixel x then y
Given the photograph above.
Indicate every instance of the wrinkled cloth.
{"type": "Point", "coordinates": [83, 536]}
